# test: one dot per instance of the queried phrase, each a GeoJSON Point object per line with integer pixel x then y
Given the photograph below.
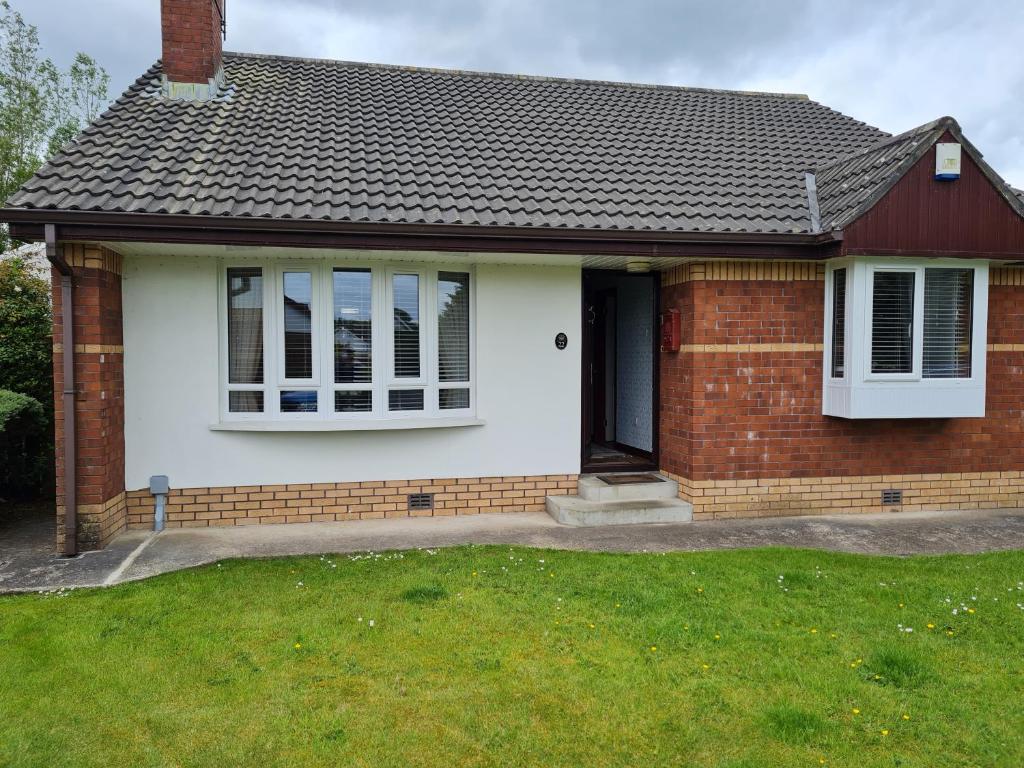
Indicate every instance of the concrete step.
{"type": "Point", "coordinates": [594, 488]}
{"type": "Point", "coordinates": [573, 510]}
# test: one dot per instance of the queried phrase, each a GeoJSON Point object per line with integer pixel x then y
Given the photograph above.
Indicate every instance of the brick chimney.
{"type": "Point", "coordinates": [192, 54]}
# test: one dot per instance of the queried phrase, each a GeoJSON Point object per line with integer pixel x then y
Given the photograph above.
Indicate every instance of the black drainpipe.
{"type": "Point", "coordinates": [68, 348]}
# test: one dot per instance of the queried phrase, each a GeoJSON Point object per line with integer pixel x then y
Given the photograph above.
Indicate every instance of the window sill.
{"type": "Point", "coordinates": [349, 425]}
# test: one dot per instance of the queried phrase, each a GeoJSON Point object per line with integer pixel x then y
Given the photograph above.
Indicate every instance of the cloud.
{"type": "Point", "coordinates": [892, 63]}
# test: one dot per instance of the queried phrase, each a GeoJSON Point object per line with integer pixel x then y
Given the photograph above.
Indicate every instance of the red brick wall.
{"type": "Point", "coordinates": [743, 413]}
{"type": "Point", "coordinates": [99, 400]}
{"type": "Point", "coordinates": [191, 39]}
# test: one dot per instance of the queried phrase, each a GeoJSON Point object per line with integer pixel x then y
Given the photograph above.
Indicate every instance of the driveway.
{"type": "Point", "coordinates": [140, 554]}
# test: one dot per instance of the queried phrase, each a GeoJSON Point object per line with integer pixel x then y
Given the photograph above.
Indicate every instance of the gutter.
{"type": "Point", "coordinates": [256, 231]}
{"type": "Point", "coordinates": [68, 393]}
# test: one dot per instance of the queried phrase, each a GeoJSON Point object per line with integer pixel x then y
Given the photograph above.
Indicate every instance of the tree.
{"type": "Point", "coordinates": [41, 108]}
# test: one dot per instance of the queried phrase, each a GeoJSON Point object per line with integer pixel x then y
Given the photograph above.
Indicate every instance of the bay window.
{"type": "Point", "coordinates": [346, 343]}
{"type": "Point", "coordinates": [905, 338]}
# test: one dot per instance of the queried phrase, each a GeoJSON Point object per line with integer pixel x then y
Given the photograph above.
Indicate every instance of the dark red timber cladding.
{"type": "Point", "coordinates": [99, 400]}
{"type": "Point", "coordinates": [757, 414]}
{"type": "Point", "coordinates": [923, 216]}
{"type": "Point", "coordinates": [191, 29]}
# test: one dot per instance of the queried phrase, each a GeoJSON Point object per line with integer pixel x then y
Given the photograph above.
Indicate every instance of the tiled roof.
{"type": "Point", "coordinates": [340, 141]}
{"type": "Point", "coordinates": [845, 185]}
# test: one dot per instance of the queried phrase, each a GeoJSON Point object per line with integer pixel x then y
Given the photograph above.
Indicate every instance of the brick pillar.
{"type": "Point", "coordinates": [99, 380]}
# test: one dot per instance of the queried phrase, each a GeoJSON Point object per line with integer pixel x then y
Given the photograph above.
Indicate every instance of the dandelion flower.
{"type": "Point", "coordinates": [700, 589]}
{"type": "Point", "coordinates": [856, 711]}
{"type": "Point", "coordinates": [705, 666]}
{"type": "Point", "coordinates": [906, 717]}
{"type": "Point", "coordinates": [885, 731]}
{"type": "Point", "coordinates": [297, 646]}
{"type": "Point", "coordinates": [654, 648]}
{"type": "Point", "coordinates": [970, 610]}
{"type": "Point", "coordinates": [591, 626]}
{"type": "Point", "coordinates": [814, 631]}
{"type": "Point", "coordinates": [931, 626]}
{"type": "Point", "coordinates": [718, 637]}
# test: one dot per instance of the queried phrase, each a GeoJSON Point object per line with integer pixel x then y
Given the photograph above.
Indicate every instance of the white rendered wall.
{"type": "Point", "coordinates": [528, 392]}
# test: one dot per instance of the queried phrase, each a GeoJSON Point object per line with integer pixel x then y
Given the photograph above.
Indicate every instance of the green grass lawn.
{"type": "Point", "coordinates": [493, 656]}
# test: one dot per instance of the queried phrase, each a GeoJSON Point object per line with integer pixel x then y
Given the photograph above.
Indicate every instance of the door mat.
{"type": "Point", "coordinates": [626, 479]}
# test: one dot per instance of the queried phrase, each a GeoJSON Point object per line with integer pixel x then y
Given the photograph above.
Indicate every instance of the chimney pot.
{"type": "Point", "coordinates": [192, 52]}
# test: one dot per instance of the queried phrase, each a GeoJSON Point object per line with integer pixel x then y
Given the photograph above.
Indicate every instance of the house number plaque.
{"type": "Point", "coordinates": [561, 341]}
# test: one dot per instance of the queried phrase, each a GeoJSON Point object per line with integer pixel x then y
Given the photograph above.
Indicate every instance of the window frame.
{"type": "Point", "coordinates": [282, 383]}
{"type": "Point", "coordinates": [917, 318]}
{"type": "Point", "coordinates": [382, 380]}
{"type": "Point", "coordinates": [862, 394]}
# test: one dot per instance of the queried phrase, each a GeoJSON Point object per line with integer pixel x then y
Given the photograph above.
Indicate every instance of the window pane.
{"type": "Point", "coordinates": [448, 399]}
{"type": "Point", "coordinates": [948, 319]}
{"type": "Point", "coordinates": [245, 326]}
{"type": "Point", "coordinates": [407, 325]}
{"type": "Point", "coordinates": [352, 402]}
{"type": "Point", "coordinates": [298, 327]}
{"type": "Point", "coordinates": [839, 323]}
{"type": "Point", "coordinates": [353, 337]}
{"type": "Point", "coordinates": [298, 401]}
{"type": "Point", "coordinates": [892, 323]}
{"type": "Point", "coordinates": [405, 400]}
{"type": "Point", "coordinates": [453, 326]}
{"type": "Point", "coordinates": [245, 402]}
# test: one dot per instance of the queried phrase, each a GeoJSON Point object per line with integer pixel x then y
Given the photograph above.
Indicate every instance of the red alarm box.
{"type": "Point", "coordinates": [670, 330]}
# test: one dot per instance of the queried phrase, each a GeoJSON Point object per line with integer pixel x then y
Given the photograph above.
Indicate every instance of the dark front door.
{"type": "Point", "coordinates": [606, 297]}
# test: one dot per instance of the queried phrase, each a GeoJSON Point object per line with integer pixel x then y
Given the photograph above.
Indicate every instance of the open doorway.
{"type": "Point", "coordinates": [619, 371]}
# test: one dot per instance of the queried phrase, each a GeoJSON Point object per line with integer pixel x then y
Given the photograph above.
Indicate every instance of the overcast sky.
{"type": "Point", "coordinates": [892, 63]}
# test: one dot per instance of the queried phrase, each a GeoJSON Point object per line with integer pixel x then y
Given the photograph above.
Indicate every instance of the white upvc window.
{"type": "Point", "coordinates": [346, 342]}
{"type": "Point", "coordinates": [905, 338]}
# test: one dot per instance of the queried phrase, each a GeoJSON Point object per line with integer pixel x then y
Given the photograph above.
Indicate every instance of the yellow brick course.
{"type": "Point", "coordinates": [322, 502]}
{"type": "Point", "coordinates": [774, 497]}
{"type": "Point", "coordinates": [743, 270]}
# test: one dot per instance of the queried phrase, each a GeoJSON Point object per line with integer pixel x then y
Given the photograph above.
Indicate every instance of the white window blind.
{"type": "Point", "coordinates": [892, 322]}
{"type": "Point", "coordinates": [298, 325]}
{"type": "Point", "coordinates": [245, 326]}
{"type": "Point", "coordinates": [353, 326]}
{"type": "Point", "coordinates": [948, 318]}
{"type": "Point", "coordinates": [245, 401]}
{"type": "Point", "coordinates": [245, 338]}
{"type": "Point", "coordinates": [406, 301]}
{"type": "Point", "coordinates": [839, 323]}
{"type": "Point", "coordinates": [453, 338]}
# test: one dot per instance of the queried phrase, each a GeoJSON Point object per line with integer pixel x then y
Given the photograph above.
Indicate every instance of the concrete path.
{"type": "Point", "coordinates": [139, 554]}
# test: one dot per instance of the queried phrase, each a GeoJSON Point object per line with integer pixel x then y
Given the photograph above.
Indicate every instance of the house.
{"type": "Point", "coordinates": [311, 290]}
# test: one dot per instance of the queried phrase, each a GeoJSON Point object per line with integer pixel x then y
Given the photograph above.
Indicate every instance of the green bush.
{"type": "Point", "coordinates": [25, 466]}
{"type": "Point", "coordinates": [26, 367]}
{"type": "Point", "coordinates": [26, 347]}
